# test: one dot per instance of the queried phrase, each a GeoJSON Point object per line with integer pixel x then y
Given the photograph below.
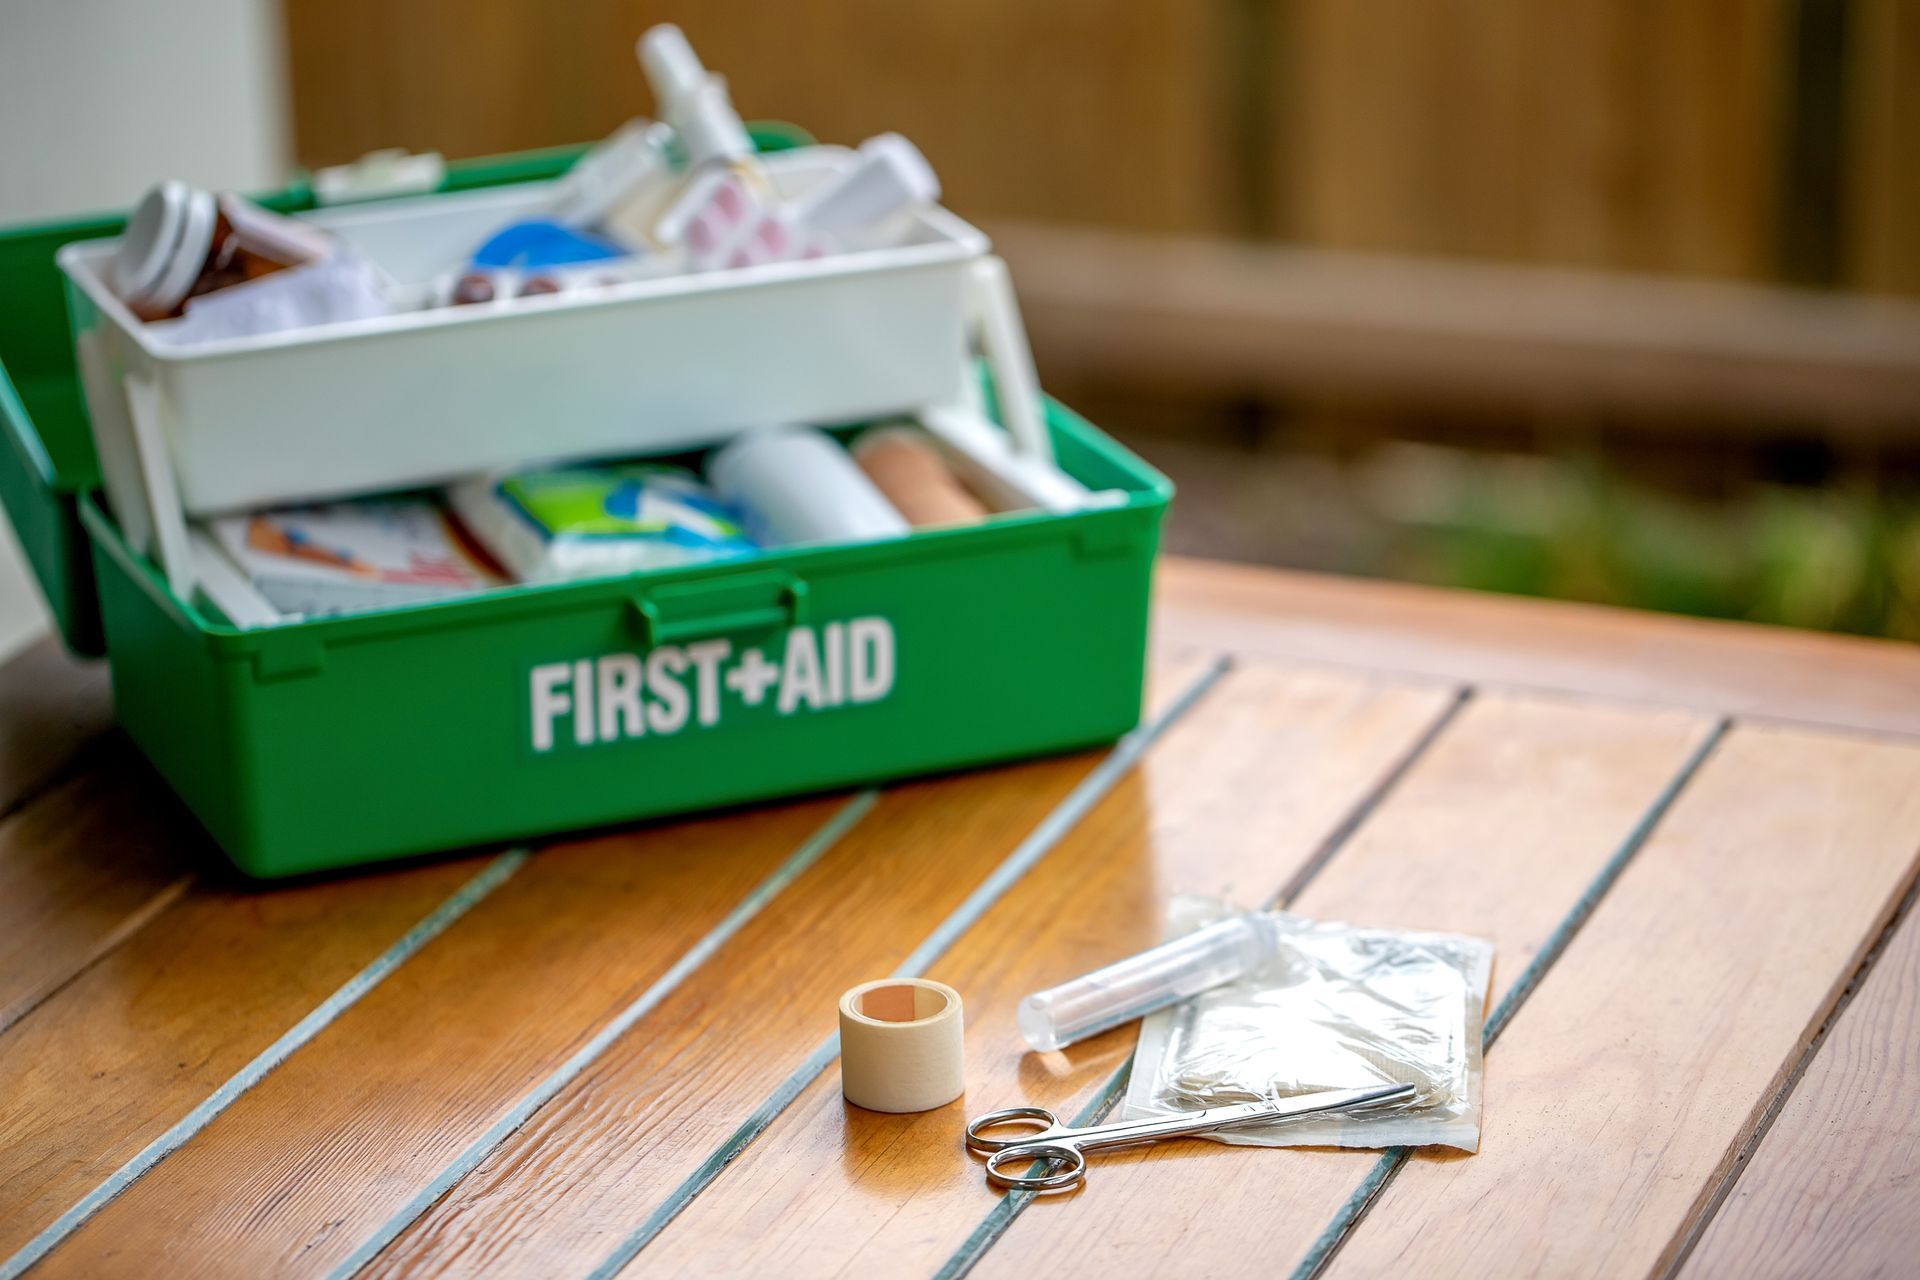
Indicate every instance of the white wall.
{"type": "Point", "coordinates": [101, 99]}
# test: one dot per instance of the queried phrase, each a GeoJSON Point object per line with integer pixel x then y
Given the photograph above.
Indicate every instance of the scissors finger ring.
{"type": "Point", "coordinates": [1044, 1125]}
{"type": "Point", "coordinates": [1072, 1162]}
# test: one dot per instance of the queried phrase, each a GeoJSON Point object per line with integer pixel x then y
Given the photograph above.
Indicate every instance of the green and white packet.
{"type": "Point", "coordinates": [557, 523]}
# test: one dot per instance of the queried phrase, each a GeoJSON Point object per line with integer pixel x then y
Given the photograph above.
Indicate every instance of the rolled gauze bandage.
{"type": "Point", "coordinates": [900, 1045]}
{"type": "Point", "coordinates": [796, 485]}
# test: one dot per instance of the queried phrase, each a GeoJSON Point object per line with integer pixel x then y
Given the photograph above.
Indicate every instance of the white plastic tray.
{"type": "Point", "coordinates": [428, 396]}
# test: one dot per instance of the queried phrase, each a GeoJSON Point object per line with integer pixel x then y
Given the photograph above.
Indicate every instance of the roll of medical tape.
{"type": "Point", "coordinates": [901, 1045]}
{"type": "Point", "coordinates": [904, 465]}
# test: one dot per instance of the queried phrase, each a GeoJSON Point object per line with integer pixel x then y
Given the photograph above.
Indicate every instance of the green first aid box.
{"type": "Point", "coordinates": [528, 711]}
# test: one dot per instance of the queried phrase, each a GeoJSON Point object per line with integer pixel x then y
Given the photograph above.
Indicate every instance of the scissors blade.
{"type": "Point", "coordinates": [1307, 1104]}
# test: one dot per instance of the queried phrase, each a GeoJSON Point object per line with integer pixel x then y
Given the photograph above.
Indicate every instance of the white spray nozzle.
{"type": "Point", "coordinates": [672, 67]}
{"type": "Point", "coordinates": [691, 98]}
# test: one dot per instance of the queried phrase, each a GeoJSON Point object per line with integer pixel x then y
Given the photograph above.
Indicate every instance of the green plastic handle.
{"type": "Point", "coordinates": [672, 614]}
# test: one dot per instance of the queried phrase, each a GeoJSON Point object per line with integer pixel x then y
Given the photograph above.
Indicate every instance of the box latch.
{"type": "Point", "coordinates": [681, 611]}
{"type": "Point", "coordinates": [288, 656]}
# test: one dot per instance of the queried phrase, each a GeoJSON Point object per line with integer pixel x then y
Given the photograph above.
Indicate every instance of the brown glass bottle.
{"type": "Point", "coordinates": [182, 242]}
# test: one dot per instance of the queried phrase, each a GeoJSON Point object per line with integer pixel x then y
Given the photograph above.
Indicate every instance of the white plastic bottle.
{"type": "Point", "coordinates": [725, 189]}
{"type": "Point", "coordinates": [694, 101]}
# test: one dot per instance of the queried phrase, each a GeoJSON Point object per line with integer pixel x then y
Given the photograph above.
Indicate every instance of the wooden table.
{"type": "Point", "coordinates": [1694, 845]}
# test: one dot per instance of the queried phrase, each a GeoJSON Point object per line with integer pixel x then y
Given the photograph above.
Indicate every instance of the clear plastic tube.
{"type": "Point", "coordinates": [1138, 985]}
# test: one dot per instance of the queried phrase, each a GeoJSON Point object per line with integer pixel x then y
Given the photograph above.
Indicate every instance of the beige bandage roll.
{"type": "Point", "coordinates": [900, 1045]}
{"type": "Point", "coordinates": [904, 464]}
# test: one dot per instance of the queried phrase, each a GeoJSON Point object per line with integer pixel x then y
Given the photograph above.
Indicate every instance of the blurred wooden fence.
{"type": "Point", "coordinates": [1756, 139]}
{"type": "Point", "coordinates": [1268, 178]}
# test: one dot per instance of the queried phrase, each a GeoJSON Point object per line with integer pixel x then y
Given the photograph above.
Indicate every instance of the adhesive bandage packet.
{"type": "Point", "coordinates": [588, 521]}
{"type": "Point", "coordinates": [1334, 1007]}
{"type": "Point", "coordinates": [723, 220]}
{"type": "Point", "coordinates": [346, 557]}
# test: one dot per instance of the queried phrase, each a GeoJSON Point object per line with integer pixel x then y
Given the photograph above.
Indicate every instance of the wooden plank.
{"type": "Point", "coordinates": [300, 1168]}
{"type": "Point", "coordinates": [83, 868]}
{"type": "Point", "coordinates": [1237, 797]}
{"type": "Point", "coordinates": [559, 1195]}
{"type": "Point", "coordinates": [130, 1046]}
{"type": "Point", "coordinates": [1830, 1189]}
{"type": "Point", "coordinates": [1503, 640]}
{"type": "Point", "coordinates": [51, 705]}
{"type": "Point", "coordinates": [1178, 314]}
{"type": "Point", "coordinates": [1592, 132]}
{"type": "Point", "coordinates": [1496, 833]}
{"type": "Point", "coordinates": [74, 880]}
{"type": "Point", "coordinates": [1619, 1098]}
{"type": "Point", "coordinates": [1883, 182]}
{"type": "Point", "coordinates": [1375, 168]}
{"type": "Point", "coordinates": [124, 1051]}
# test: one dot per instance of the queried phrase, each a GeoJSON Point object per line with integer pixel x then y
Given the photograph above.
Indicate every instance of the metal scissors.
{"type": "Point", "coordinates": [1054, 1144]}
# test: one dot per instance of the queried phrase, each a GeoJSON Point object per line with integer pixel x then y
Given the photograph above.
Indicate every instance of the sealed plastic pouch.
{"type": "Point", "coordinates": [1336, 1007]}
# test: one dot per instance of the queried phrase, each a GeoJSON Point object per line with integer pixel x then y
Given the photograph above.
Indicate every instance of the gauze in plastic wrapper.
{"type": "Point", "coordinates": [338, 288]}
{"type": "Point", "coordinates": [1338, 1007]}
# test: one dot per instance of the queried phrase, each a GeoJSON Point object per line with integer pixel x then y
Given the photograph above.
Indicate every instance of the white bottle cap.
{"type": "Point", "coordinates": [165, 246]}
{"type": "Point", "coordinates": [691, 98]}
{"type": "Point", "coordinates": [671, 65]}
{"type": "Point", "coordinates": [889, 176]}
